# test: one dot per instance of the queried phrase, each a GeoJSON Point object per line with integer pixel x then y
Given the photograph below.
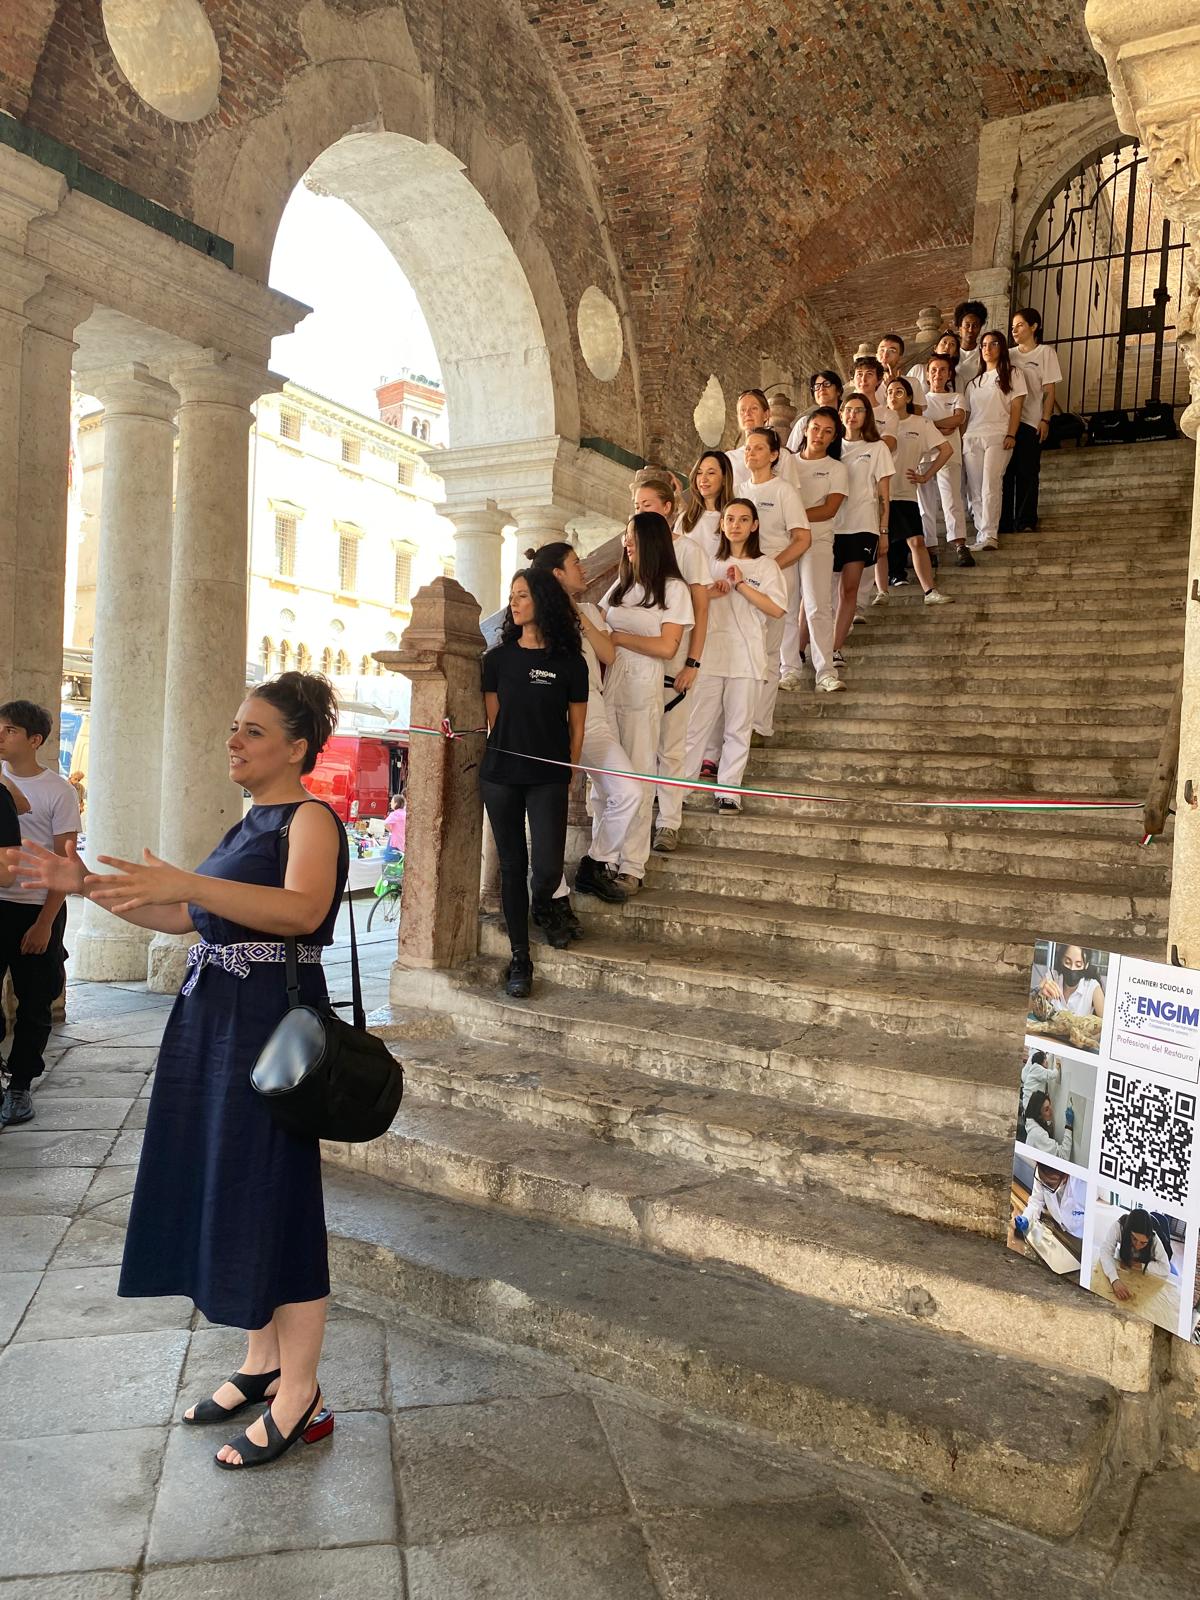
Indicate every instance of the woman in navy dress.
{"type": "Point", "coordinates": [227, 1208]}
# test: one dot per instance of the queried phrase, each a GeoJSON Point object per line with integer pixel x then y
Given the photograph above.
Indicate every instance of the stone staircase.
{"type": "Point", "coordinates": [748, 1147]}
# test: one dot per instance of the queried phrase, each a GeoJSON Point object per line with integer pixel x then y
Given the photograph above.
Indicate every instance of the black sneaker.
{"type": "Point", "coordinates": [16, 1107]}
{"type": "Point", "coordinates": [898, 583]}
{"type": "Point", "coordinates": [547, 916]}
{"type": "Point", "coordinates": [964, 558]}
{"type": "Point", "coordinates": [518, 980]}
{"type": "Point", "coordinates": [727, 808]}
{"type": "Point", "coordinates": [591, 877]}
{"type": "Point", "coordinates": [563, 910]}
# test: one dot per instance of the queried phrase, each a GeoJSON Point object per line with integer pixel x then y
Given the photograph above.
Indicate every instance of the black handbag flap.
{"type": "Point", "coordinates": [295, 1050]}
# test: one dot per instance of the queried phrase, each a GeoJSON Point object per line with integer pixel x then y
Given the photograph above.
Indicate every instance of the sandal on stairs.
{"type": "Point", "coordinates": [316, 1423]}
{"type": "Point", "coordinates": [252, 1386]}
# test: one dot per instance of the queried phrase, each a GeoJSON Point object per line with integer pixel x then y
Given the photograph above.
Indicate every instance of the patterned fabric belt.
{"type": "Point", "coordinates": [238, 958]}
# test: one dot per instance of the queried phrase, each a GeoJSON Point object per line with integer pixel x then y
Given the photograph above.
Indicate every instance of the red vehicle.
{"type": "Point", "coordinates": [357, 773]}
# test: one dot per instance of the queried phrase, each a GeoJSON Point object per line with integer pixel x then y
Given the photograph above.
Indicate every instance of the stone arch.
{"type": "Point", "coordinates": [1074, 142]}
{"type": "Point", "coordinates": [461, 216]}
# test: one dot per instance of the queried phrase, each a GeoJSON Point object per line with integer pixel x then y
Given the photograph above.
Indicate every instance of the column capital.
{"type": "Point", "coordinates": [20, 280]}
{"type": "Point", "coordinates": [540, 524]}
{"type": "Point", "coordinates": [27, 190]}
{"type": "Point", "coordinates": [211, 377]}
{"type": "Point", "coordinates": [58, 309]}
{"type": "Point", "coordinates": [133, 391]}
{"type": "Point", "coordinates": [477, 522]}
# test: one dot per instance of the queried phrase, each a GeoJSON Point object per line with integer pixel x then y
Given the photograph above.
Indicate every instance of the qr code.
{"type": "Point", "coordinates": [1146, 1137]}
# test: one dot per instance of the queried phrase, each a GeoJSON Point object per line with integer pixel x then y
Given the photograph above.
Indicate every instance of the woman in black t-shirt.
{"type": "Point", "coordinates": [535, 688]}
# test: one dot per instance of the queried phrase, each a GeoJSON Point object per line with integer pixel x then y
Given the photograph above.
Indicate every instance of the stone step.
{"type": "Point", "coordinates": [898, 621]}
{"type": "Point", "coordinates": [562, 1142]}
{"type": "Point", "coordinates": [797, 729]}
{"type": "Point", "coordinates": [950, 774]}
{"type": "Point", "coordinates": [988, 710]}
{"type": "Point", "coordinates": [912, 802]}
{"type": "Point", "coordinates": [914, 638]}
{"type": "Point", "coordinates": [1038, 609]}
{"type": "Point", "coordinates": [1107, 863]}
{"type": "Point", "coordinates": [964, 675]}
{"type": "Point", "coordinates": [811, 886]}
{"type": "Point", "coordinates": [867, 1389]}
{"type": "Point", "coordinates": [824, 990]}
{"type": "Point", "coordinates": [847, 1068]}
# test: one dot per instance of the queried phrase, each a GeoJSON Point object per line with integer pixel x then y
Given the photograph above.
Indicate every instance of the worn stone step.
{"type": "Point", "coordinates": [963, 676]}
{"type": "Point", "coordinates": [798, 731]}
{"type": "Point", "coordinates": [866, 1389]}
{"type": "Point", "coordinates": [951, 774]}
{"type": "Point", "coordinates": [808, 886]}
{"type": "Point", "coordinates": [598, 1169]}
{"type": "Point", "coordinates": [928, 698]}
{"type": "Point", "coordinates": [970, 1085]}
{"type": "Point", "coordinates": [827, 990]}
{"type": "Point", "coordinates": [1150, 649]}
{"type": "Point", "coordinates": [1039, 609]}
{"type": "Point", "coordinates": [1010, 635]}
{"type": "Point", "coordinates": [913, 802]}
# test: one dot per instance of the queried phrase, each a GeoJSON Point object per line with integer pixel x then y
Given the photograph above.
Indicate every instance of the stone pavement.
{"type": "Point", "coordinates": [457, 1469]}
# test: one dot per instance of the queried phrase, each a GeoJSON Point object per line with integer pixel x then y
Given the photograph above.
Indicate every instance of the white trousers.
{"type": "Point", "coordinates": [636, 707]}
{"type": "Point", "coordinates": [985, 459]}
{"type": "Point", "coordinates": [768, 693]}
{"type": "Point", "coordinates": [735, 700]}
{"type": "Point", "coordinates": [813, 589]}
{"type": "Point", "coordinates": [944, 487]}
{"type": "Point", "coordinates": [672, 745]}
{"type": "Point", "coordinates": [614, 800]}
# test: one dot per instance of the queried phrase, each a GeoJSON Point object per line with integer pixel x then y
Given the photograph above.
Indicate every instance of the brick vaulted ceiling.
{"type": "Point", "coordinates": [751, 155]}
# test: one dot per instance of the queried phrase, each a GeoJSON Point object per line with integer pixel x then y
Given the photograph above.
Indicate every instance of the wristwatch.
{"type": "Point", "coordinates": [691, 662]}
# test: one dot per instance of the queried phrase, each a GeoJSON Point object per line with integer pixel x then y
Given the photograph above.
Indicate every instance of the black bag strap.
{"type": "Point", "coordinates": [291, 954]}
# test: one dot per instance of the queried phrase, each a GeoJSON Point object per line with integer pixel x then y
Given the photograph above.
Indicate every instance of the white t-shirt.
{"type": "Point", "coordinates": [817, 480]}
{"type": "Point", "coordinates": [916, 376]}
{"type": "Point", "coordinates": [706, 532]}
{"type": "Point", "coordinates": [646, 622]}
{"type": "Point", "coordinates": [1067, 1204]}
{"type": "Point", "coordinates": [915, 437]}
{"type": "Point", "coordinates": [866, 465]}
{"type": "Point", "coordinates": [780, 508]}
{"type": "Point", "coordinates": [595, 681]}
{"type": "Point", "coordinates": [885, 422]}
{"type": "Point", "coordinates": [1039, 368]}
{"type": "Point", "coordinates": [785, 467]}
{"type": "Point", "coordinates": [987, 404]}
{"type": "Point", "coordinates": [54, 808]}
{"type": "Point", "coordinates": [736, 643]}
{"type": "Point", "coordinates": [966, 368]}
{"type": "Point", "coordinates": [693, 563]}
{"type": "Point", "coordinates": [940, 406]}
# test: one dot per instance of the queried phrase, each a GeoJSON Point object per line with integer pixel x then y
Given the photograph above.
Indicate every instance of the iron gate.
{"type": "Point", "coordinates": [1103, 263]}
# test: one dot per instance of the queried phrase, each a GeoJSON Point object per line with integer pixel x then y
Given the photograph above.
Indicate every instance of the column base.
{"type": "Point", "coordinates": [167, 962]}
{"type": "Point", "coordinates": [118, 957]}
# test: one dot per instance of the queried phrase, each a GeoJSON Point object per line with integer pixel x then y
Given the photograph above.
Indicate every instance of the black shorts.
{"type": "Point", "coordinates": [904, 521]}
{"type": "Point", "coordinates": [850, 547]}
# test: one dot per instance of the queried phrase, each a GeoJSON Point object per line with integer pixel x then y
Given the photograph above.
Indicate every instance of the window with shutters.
{"type": "Point", "coordinates": [351, 450]}
{"type": "Point", "coordinates": [347, 563]}
{"type": "Point", "coordinates": [303, 658]}
{"type": "Point", "coordinates": [327, 661]}
{"type": "Point", "coordinates": [266, 655]}
{"type": "Point", "coordinates": [285, 545]}
{"type": "Point", "coordinates": [343, 664]}
{"type": "Point", "coordinates": [289, 423]}
{"type": "Point", "coordinates": [405, 473]}
{"type": "Point", "coordinates": [403, 580]}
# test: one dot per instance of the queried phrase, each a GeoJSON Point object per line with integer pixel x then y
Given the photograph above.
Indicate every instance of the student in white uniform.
{"type": "Point", "coordinates": [679, 673]}
{"type": "Point", "coordinates": [826, 389]}
{"type": "Point", "coordinates": [948, 413]}
{"type": "Point", "coordinates": [709, 492]}
{"type": "Point", "coordinates": [1132, 1242]}
{"type": "Point", "coordinates": [648, 610]}
{"type": "Point", "coordinates": [1039, 366]}
{"type": "Point", "coordinates": [1037, 1073]}
{"type": "Point", "coordinates": [891, 354]}
{"type": "Point", "coordinates": [994, 400]}
{"type": "Point", "coordinates": [969, 318]}
{"type": "Point", "coordinates": [614, 800]}
{"type": "Point", "coordinates": [784, 535]}
{"type": "Point", "coordinates": [1069, 984]}
{"type": "Point", "coordinates": [823, 486]}
{"type": "Point", "coordinates": [860, 529]}
{"type": "Point", "coordinates": [917, 440]}
{"type": "Point", "coordinates": [754, 412]}
{"type": "Point", "coordinates": [1056, 1195]}
{"type": "Point", "coordinates": [1036, 1128]}
{"type": "Point", "coordinates": [868, 375]}
{"type": "Point", "coordinates": [748, 593]}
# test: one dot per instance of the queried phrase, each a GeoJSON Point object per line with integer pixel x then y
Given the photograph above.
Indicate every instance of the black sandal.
{"type": "Point", "coordinates": [316, 1423]}
{"type": "Point", "coordinates": [253, 1385]}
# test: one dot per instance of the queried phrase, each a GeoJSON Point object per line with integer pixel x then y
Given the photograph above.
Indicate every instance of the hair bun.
{"type": "Point", "coordinates": [308, 704]}
{"type": "Point", "coordinates": [531, 554]}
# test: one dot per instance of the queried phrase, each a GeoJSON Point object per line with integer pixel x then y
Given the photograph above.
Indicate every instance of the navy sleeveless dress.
{"type": "Point", "coordinates": [227, 1208]}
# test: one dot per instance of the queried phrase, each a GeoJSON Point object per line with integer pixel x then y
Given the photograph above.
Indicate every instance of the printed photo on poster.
{"type": "Point", "coordinates": [1048, 1209]}
{"type": "Point", "coordinates": [1055, 1105]}
{"type": "Point", "coordinates": [1067, 994]}
{"type": "Point", "coordinates": [1136, 1259]}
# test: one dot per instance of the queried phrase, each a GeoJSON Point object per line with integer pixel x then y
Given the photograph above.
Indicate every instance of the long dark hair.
{"type": "Point", "coordinates": [1033, 1112]}
{"type": "Point", "coordinates": [839, 432]}
{"type": "Point", "coordinates": [1136, 1221]}
{"type": "Point", "coordinates": [1060, 956]}
{"type": "Point", "coordinates": [550, 557]}
{"type": "Point", "coordinates": [656, 562]}
{"type": "Point", "coordinates": [308, 705]}
{"type": "Point", "coordinates": [553, 614]}
{"type": "Point", "coordinates": [694, 507]}
{"type": "Point", "coordinates": [753, 549]}
{"type": "Point", "coordinates": [1003, 364]}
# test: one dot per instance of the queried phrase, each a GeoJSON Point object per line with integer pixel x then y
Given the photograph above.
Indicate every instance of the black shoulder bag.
{"type": "Point", "coordinates": [321, 1077]}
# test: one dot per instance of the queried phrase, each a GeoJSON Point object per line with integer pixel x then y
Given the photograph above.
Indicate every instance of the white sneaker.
{"type": "Point", "coordinates": [789, 682]}
{"type": "Point", "coordinates": [986, 544]}
{"type": "Point", "coordinates": [829, 683]}
{"type": "Point", "coordinates": [935, 597]}
{"type": "Point", "coordinates": [879, 598]}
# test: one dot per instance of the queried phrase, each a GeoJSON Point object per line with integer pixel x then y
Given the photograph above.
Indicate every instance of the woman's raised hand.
{"type": "Point", "coordinates": [149, 882]}
{"type": "Point", "coordinates": [39, 868]}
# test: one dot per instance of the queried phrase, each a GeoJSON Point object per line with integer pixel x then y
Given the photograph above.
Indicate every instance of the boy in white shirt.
{"type": "Point", "coordinates": [891, 354]}
{"type": "Point", "coordinates": [32, 921]}
{"type": "Point", "coordinates": [868, 376]}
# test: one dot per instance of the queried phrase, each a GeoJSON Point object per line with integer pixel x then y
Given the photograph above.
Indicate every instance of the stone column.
{"type": "Point", "coordinates": [206, 647]}
{"type": "Point", "coordinates": [992, 285]}
{"type": "Point", "coordinates": [43, 422]}
{"type": "Point", "coordinates": [478, 535]}
{"type": "Point", "coordinates": [539, 525]}
{"type": "Point", "coordinates": [439, 653]}
{"type": "Point", "coordinates": [20, 280]}
{"type": "Point", "coordinates": [1152, 51]}
{"type": "Point", "coordinates": [129, 666]}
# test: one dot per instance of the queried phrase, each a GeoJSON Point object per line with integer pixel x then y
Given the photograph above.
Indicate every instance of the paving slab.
{"type": "Point", "coordinates": [127, 1151]}
{"type": "Point", "coordinates": [373, 1573]}
{"type": "Point", "coordinates": [81, 1301]}
{"type": "Point", "coordinates": [67, 1083]}
{"type": "Point", "coordinates": [337, 1492]}
{"type": "Point", "coordinates": [118, 1057]}
{"type": "Point", "coordinates": [17, 1289]}
{"type": "Point", "coordinates": [60, 1386]}
{"type": "Point", "coordinates": [101, 1523]}
{"type": "Point", "coordinates": [29, 1242]}
{"type": "Point", "coordinates": [70, 1586]}
{"type": "Point", "coordinates": [91, 1242]}
{"type": "Point", "coordinates": [352, 1365]}
{"type": "Point", "coordinates": [110, 1183]}
{"type": "Point", "coordinates": [1160, 1559]}
{"type": "Point", "coordinates": [466, 1468]}
{"type": "Point", "coordinates": [26, 1191]}
{"type": "Point", "coordinates": [602, 1560]}
{"type": "Point", "coordinates": [425, 1370]}
{"type": "Point", "coordinates": [26, 1147]}
{"type": "Point", "coordinates": [54, 1114]}
{"type": "Point", "coordinates": [135, 1117]}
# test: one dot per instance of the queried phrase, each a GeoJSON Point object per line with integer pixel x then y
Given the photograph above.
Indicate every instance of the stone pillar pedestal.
{"type": "Point", "coordinates": [478, 535]}
{"type": "Point", "coordinates": [206, 649]}
{"type": "Point", "coordinates": [439, 653]}
{"type": "Point", "coordinates": [992, 285]}
{"type": "Point", "coordinates": [129, 667]}
{"type": "Point", "coordinates": [539, 525]}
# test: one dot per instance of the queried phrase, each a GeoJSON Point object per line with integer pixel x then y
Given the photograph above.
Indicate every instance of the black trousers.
{"type": "Point", "coordinates": [507, 806]}
{"type": "Point", "coordinates": [37, 984]}
{"type": "Point", "coordinates": [1022, 480]}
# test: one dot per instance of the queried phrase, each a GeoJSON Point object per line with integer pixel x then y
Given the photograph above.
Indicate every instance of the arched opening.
{"type": "Point", "coordinates": [266, 655]}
